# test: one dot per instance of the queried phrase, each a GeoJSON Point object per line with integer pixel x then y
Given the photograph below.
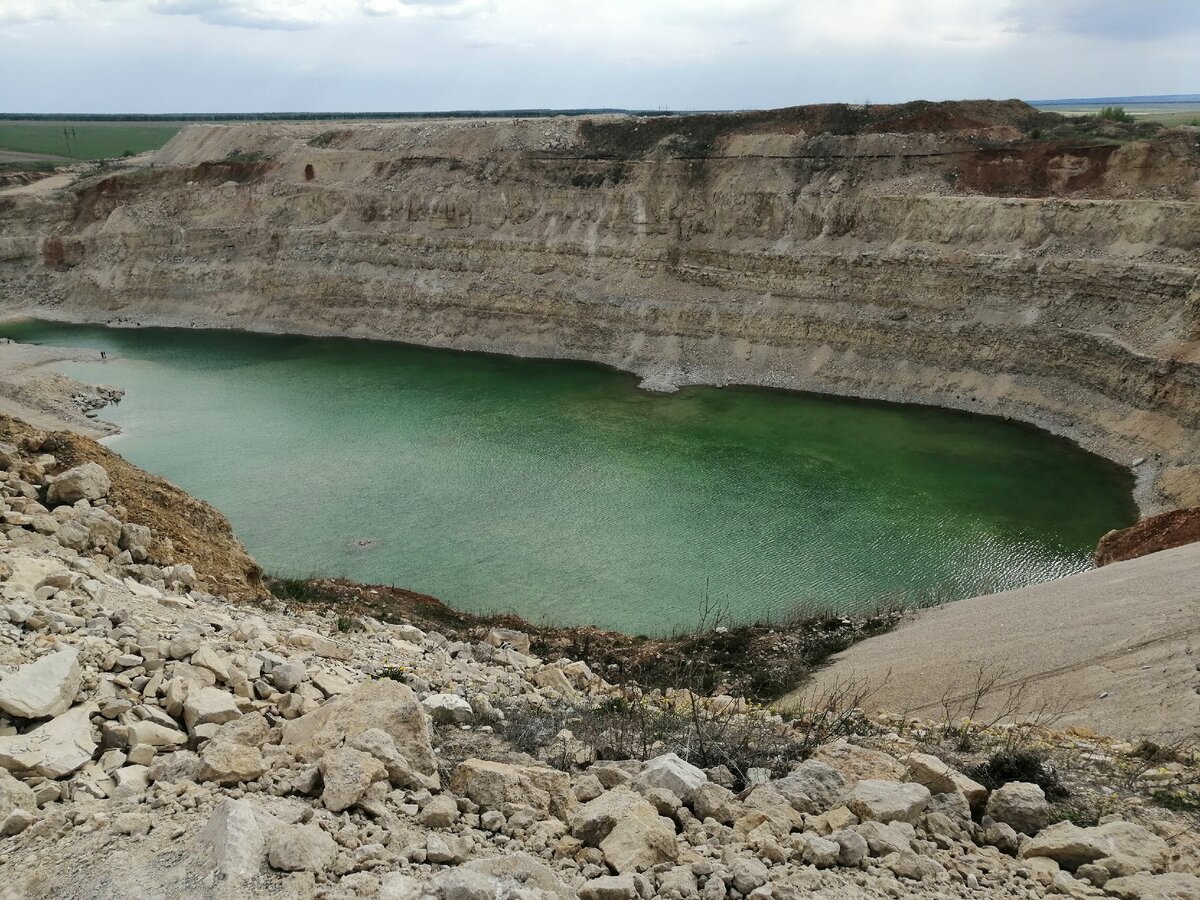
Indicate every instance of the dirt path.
{"type": "Point", "coordinates": [41, 186]}
{"type": "Point", "coordinates": [1117, 648]}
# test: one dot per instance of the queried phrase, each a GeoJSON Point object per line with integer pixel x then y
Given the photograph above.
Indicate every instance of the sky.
{"type": "Point", "coordinates": [111, 56]}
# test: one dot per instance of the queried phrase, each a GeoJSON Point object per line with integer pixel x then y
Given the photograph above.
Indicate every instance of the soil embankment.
{"type": "Point", "coordinates": [980, 256]}
{"type": "Point", "coordinates": [1162, 532]}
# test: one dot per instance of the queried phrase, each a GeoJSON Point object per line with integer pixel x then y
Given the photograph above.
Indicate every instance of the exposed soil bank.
{"type": "Point", "coordinates": [1161, 532]}
{"type": "Point", "coordinates": [976, 256]}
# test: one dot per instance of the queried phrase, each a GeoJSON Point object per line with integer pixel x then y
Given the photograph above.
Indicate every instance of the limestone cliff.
{"type": "Point", "coordinates": [980, 256]}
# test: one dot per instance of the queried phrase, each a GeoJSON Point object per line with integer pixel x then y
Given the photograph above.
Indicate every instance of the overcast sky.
{"type": "Point", "coordinates": [358, 55]}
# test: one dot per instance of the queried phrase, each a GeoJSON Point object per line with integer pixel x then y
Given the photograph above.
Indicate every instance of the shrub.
{"type": "Point", "coordinates": [1019, 765]}
{"type": "Point", "coordinates": [1115, 114]}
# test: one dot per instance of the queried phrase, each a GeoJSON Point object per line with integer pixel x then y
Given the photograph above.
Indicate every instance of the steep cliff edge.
{"type": "Point", "coordinates": [981, 256]}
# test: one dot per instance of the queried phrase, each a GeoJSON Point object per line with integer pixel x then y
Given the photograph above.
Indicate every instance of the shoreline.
{"type": "Point", "coordinates": [1144, 471]}
{"type": "Point", "coordinates": [33, 392]}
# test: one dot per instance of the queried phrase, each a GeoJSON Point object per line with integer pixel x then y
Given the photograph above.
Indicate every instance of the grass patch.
{"type": "Point", "coordinates": [297, 590]}
{"type": "Point", "coordinates": [324, 139]}
{"type": "Point", "coordinates": [84, 140]}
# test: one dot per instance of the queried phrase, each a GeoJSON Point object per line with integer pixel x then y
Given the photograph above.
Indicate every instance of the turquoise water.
{"type": "Point", "coordinates": [562, 492]}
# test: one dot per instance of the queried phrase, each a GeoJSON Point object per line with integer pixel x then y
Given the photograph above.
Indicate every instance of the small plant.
{"type": "Point", "coordinates": [1115, 114]}
{"type": "Point", "coordinates": [345, 624]}
{"type": "Point", "coordinates": [394, 673]}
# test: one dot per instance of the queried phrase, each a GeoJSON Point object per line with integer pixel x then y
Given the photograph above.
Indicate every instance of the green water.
{"type": "Point", "coordinates": [561, 491]}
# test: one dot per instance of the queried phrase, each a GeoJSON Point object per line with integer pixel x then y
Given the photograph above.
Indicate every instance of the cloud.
{"type": "Point", "coordinates": [240, 55]}
{"type": "Point", "coordinates": [1114, 19]}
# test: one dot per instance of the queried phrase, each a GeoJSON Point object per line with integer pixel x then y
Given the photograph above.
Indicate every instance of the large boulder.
{"type": "Point", "coordinates": [504, 787]}
{"type": "Point", "coordinates": [347, 773]}
{"type": "Point", "coordinates": [237, 834]}
{"type": "Point", "coordinates": [44, 688]}
{"type": "Point", "coordinates": [627, 829]}
{"type": "Point", "coordinates": [942, 779]}
{"type": "Point", "coordinates": [382, 703]}
{"type": "Point", "coordinates": [301, 848]}
{"type": "Point", "coordinates": [873, 800]}
{"type": "Point", "coordinates": [209, 706]}
{"type": "Point", "coordinates": [670, 772]}
{"type": "Point", "coordinates": [1071, 846]}
{"type": "Point", "coordinates": [54, 749]}
{"type": "Point", "coordinates": [857, 763]}
{"type": "Point", "coordinates": [86, 482]}
{"type": "Point", "coordinates": [813, 786]}
{"type": "Point", "coordinates": [1021, 805]}
{"type": "Point", "coordinates": [232, 755]}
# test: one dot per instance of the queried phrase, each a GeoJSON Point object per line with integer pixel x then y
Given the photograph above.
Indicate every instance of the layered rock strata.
{"type": "Point", "coordinates": [976, 256]}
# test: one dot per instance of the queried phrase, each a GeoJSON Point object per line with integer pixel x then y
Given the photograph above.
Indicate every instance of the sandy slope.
{"type": "Point", "coordinates": [1118, 647]}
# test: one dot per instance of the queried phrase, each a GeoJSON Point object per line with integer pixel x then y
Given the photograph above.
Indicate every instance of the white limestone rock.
{"type": "Point", "coordinates": [1021, 805]}
{"type": "Point", "coordinates": [671, 772]}
{"type": "Point", "coordinates": [237, 835]}
{"type": "Point", "coordinates": [54, 749]}
{"type": "Point", "coordinates": [301, 848]}
{"type": "Point", "coordinates": [874, 800]}
{"type": "Point", "coordinates": [448, 709]}
{"type": "Point", "coordinates": [209, 706]}
{"type": "Point", "coordinates": [44, 688]}
{"type": "Point", "coordinates": [87, 482]}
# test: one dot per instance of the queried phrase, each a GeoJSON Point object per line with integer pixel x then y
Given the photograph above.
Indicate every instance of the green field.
{"type": "Point", "coordinates": [85, 140]}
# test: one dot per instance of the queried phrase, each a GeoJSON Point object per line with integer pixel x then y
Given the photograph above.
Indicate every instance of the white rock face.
{"type": "Point", "coordinates": [671, 773]}
{"type": "Point", "coordinates": [44, 688]}
{"type": "Point", "coordinates": [86, 482]}
{"type": "Point", "coordinates": [59, 747]}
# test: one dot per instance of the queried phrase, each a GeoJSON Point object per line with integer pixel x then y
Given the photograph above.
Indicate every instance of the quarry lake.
{"type": "Point", "coordinates": [561, 491]}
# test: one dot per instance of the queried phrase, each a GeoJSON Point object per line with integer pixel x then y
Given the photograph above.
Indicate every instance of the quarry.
{"type": "Point", "coordinates": [174, 720]}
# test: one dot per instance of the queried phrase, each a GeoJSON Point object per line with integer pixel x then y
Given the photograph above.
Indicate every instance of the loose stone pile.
{"type": "Point", "coordinates": [157, 739]}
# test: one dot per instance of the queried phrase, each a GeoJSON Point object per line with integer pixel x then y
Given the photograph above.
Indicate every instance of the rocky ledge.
{"type": "Point", "coordinates": [158, 739]}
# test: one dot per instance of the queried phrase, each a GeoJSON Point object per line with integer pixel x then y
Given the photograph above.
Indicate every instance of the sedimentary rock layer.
{"type": "Point", "coordinates": [975, 256]}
